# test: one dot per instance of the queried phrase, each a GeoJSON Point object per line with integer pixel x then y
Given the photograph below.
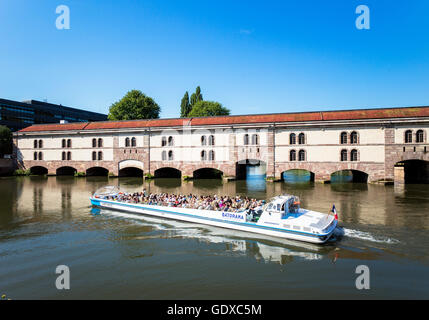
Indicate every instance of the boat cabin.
{"type": "Point", "coordinates": [281, 207]}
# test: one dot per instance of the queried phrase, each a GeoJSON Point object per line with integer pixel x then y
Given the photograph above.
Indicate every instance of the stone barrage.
{"type": "Point", "coordinates": [373, 143]}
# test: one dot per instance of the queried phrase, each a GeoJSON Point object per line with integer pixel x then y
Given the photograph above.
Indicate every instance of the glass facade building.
{"type": "Point", "coordinates": [18, 115]}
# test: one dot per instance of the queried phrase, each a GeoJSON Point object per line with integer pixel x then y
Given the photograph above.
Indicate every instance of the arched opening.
{"type": "Point", "coordinates": [38, 170]}
{"type": "Point", "coordinates": [97, 171]}
{"type": "Point", "coordinates": [297, 176]}
{"type": "Point", "coordinates": [168, 173]}
{"type": "Point", "coordinates": [131, 172]}
{"type": "Point", "coordinates": [344, 176]}
{"type": "Point", "coordinates": [250, 169]}
{"type": "Point", "coordinates": [414, 171]}
{"type": "Point", "coordinates": [207, 173]}
{"type": "Point", "coordinates": [66, 171]}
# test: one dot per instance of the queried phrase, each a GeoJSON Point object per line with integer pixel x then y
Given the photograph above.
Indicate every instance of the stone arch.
{"type": "Point", "coordinates": [131, 172]}
{"type": "Point", "coordinates": [130, 163]}
{"type": "Point", "coordinates": [349, 175]}
{"type": "Point", "coordinates": [250, 168]}
{"type": "Point", "coordinates": [412, 171]}
{"type": "Point", "coordinates": [130, 168]}
{"type": "Point", "coordinates": [38, 170]}
{"type": "Point", "coordinates": [97, 171]}
{"type": "Point", "coordinates": [207, 173]}
{"type": "Point", "coordinates": [65, 171]}
{"type": "Point", "coordinates": [167, 172]}
{"type": "Point", "coordinates": [297, 175]}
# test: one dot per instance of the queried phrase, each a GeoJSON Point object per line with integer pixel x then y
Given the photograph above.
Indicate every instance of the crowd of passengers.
{"type": "Point", "coordinates": [191, 201]}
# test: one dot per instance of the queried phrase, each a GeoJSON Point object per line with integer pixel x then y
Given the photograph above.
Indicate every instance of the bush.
{"type": "Point", "coordinates": [22, 172]}
{"type": "Point", "coordinates": [80, 174]}
{"type": "Point", "coordinates": [148, 176]}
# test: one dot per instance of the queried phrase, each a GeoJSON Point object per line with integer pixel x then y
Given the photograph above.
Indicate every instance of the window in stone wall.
{"type": "Point", "coordinates": [343, 155]}
{"type": "Point", "coordinates": [40, 144]}
{"type": "Point", "coordinates": [69, 143]}
{"type": "Point", "coordinates": [343, 138]}
{"type": "Point", "coordinates": [211, 140]}
{"type": "Point", "coordinates": [63, 143]}
{"type": "Point", "coordinates": [35, 156]}
{"type": "Point", "coordinates": [246, 139]}
{"type": "Point", "coordinates": [354, 155]}
{"type": "Point", "coordinates": [203, 140]}
{"type": "Point", "coordinates": [170, 155]}
{"type": "Point", "coordinates": [163, 141]}
{"type": "Point", "coordinates": [301, 155]}
{"type": "Point", "coordinates": [255, 139]}
{"type": "Point", "coordinates": [94, 143]}
{"type": "Point", "coordinates": [420, 136]}
{"type": "Point", "coordinates": [69, 155]}
{"type": "Point", "coordinates": [408, 136]}
{"type": "Point", "coordinates": [94, 155]}
{"type": "Point", "coordinates": [211, 155]}
{"type": "Point", "coordinates": [100, 155]}
{"type": "Point", "coordinates": [100, 143]}
{"type": "Point", "coordinates": [35, 144]}
{"type": "Point", "coordinates": [133, 142]}
{"type": "Point", "coordinates": [127, 142]}
{"type": "Point", "coordinates": [170, 141]}
{"type": "Point", "coordinates": [40, 156]}
{"type": "Point", "coordinates": [292, 138]}
{"type": "Point", "coordinates": [292, 155]}
{"type": "Point", "coordinates": [203, 156]}
{"type": "Point", "coordinates": [164, 155]}
{"type": "Point", "coordinates": [301, 138]}
{"type": "Point", "coordinates": [354, 137]}
{"type": "Point", "coordinates": [64, 157]}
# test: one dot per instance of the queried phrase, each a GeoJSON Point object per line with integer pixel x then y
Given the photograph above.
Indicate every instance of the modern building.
{"type": "Point", "coordinates": [387, 144]}
{"type": "Point", "coordinates": [18, 115]}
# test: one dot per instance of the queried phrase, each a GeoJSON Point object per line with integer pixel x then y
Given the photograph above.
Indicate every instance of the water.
{"type": "Point", "coordinates": [46, 222]}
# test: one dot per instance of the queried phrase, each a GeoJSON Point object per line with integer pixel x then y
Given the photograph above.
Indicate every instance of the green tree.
{"type": "Point", "coordinates": [195, 97]}
{"type": "Point", "coordinates": [208, 109]}
{"type": "Point", "coordinates": [134, 105]}
{"type": "Point", "coordinates": [5, 141]}
{"type": "Point", "coordinates": [185, 106]}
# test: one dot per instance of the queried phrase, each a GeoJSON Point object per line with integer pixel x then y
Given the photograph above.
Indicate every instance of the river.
{"type": "Point", "coordinates": [48, 221]}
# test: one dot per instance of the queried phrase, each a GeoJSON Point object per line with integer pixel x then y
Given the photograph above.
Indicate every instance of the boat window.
{"type": "Point", "coordinates": [278, 206]}
{"type": "Point", "coordinates": [270, 206]}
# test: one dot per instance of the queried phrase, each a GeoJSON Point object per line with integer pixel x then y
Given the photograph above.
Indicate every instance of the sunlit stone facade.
{"type": "Point", "coordinates": [363, 141]}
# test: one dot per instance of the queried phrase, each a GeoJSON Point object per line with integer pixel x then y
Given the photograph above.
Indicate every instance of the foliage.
{"type": "Point", "coordinates": [80, 174]}
{"type": "Point", "coordinates": [22, 172]}
{"type": "Point", "coordinates": [185, 106]}
{"type": "Point", "coordinates": [5, 140]}
{"type": "Point", "coordinates": [208, 109]}
{"type": "Point", "coordinates": [149, 176]}
{"type": "Point", "coordinates": [134, 105]}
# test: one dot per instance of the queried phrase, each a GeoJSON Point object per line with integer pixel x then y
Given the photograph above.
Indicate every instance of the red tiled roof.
{"type": "Point", "coordinates": [388, 113]}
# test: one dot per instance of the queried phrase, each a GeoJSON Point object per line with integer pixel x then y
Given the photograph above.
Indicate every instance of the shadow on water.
{"type": "Point", "coordinates": [167, 183]}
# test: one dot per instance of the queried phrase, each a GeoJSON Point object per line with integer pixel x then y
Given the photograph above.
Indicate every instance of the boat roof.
{"type": "Point", "coordinates": [282, 198]}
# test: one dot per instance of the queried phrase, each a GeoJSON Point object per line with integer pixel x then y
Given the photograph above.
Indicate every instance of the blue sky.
{"type": "Point", "coordinates": [252, 56]}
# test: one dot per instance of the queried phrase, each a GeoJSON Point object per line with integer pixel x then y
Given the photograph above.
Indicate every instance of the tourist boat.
{"type": "Point", "coordinates": [281, 217]}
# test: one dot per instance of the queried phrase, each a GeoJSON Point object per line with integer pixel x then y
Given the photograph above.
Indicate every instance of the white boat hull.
{"type": "Point", "coordinates": [203, 217]}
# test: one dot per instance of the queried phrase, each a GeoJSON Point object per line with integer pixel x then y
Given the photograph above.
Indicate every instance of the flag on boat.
{"type": "Point", "coordinates": [334, 211]}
